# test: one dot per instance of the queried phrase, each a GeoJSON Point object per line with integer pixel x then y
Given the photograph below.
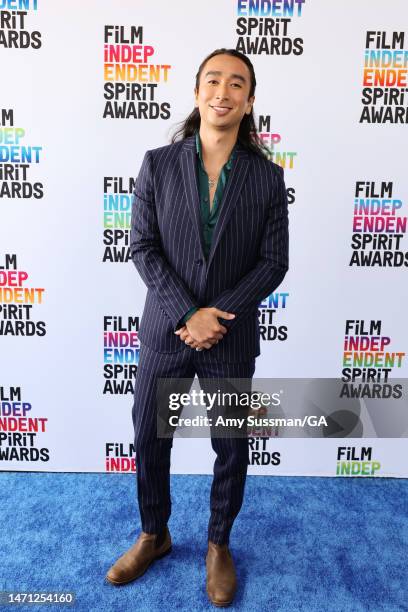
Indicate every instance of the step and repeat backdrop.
{"type": "Point", "coordinates": [87, 89]}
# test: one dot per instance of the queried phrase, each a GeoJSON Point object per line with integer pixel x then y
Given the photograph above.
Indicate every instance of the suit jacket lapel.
{"type": "Point", "coordinates": [190, 181]}
{"type": "Point", "coordinates": [230, 196]}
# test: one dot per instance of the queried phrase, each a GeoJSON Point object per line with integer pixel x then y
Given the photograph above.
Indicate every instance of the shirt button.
{"type": "Point", "coordinates": [205, 199]}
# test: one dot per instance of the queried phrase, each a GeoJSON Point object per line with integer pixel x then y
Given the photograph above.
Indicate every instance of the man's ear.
{"type": "Point", "coordinates": [251, 101]}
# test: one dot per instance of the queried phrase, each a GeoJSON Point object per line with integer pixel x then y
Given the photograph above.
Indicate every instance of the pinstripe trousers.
{"type": "Point", "coordinates": [153, 453]}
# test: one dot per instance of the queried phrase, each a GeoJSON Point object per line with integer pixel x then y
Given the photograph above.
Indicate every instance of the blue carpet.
{"type": "Point", "coordinates": [310, 544]}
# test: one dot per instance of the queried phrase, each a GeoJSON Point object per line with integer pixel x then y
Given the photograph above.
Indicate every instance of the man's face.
{"type": "Point", "coordinates": [222, 97]}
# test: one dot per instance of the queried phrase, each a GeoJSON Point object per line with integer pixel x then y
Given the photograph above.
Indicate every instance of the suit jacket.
{"type": "Point", "coordinates": [249, 251]}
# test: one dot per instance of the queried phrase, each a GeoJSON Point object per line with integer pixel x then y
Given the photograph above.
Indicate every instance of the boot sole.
{"type": "Point", "coordinates": [220, 604]}
{"type": "Point", "coordinates": [117, 583]}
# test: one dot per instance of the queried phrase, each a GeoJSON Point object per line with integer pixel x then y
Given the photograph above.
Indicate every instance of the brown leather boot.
{"type": "Point", "coordinates": [221, 577]}
{"type": "Point", "coordinates": [137, 559]}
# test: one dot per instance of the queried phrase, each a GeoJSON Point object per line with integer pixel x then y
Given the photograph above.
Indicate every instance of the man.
{"type": "Point", "coordinates": [209, 238]}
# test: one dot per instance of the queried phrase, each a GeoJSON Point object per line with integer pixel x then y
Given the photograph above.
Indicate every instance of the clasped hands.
{"type": "Point", "coordinates": [203, 329]}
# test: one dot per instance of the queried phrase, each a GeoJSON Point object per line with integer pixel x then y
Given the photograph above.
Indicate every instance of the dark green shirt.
{"type": "Point", "coordinates": [209, 217]}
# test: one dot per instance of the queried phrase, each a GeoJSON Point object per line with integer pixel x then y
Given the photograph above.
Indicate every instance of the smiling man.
{"type": "Point", "coordinates": [209, 238]}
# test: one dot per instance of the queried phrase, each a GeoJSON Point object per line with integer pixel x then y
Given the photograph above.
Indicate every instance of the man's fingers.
{"type": "Point", "coordinates": [180, 330]}
{"type": "Point", "coordinates": [185, 336]}
{"type": "Point", "coordinates": [190, 341]}
{"type": "Point", "coordinates": [203, 345]}
{"type": "Point", "coordinates": [223, 314]}
{"type": "Point", "coordinates": [207, 343]}
{"type": "Point", "coordinates": [219, 334]}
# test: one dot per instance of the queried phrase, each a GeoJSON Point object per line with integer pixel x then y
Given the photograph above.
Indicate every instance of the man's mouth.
{"type": "Point", "coordinates": [221, 110]}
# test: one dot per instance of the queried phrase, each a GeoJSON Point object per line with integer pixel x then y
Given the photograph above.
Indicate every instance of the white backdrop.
{"type": "Point", "coordinates": [52, 108]}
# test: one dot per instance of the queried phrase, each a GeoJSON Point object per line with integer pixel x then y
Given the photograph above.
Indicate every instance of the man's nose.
{"type": "Point", "coordinates": [222, 92]}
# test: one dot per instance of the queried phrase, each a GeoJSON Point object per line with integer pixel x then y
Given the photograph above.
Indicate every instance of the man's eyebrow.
{"type": "Point", "coordinates": [233, 75]}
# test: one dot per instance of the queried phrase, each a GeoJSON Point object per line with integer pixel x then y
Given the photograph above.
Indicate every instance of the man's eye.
{"type": "Point", "coordinates": [212, 81]}
{"type": "Point", "coordinates": [237, 85]}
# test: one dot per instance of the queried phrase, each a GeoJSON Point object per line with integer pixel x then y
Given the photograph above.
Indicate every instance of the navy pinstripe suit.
{"type": "Point", "coordinates": [247, 261]}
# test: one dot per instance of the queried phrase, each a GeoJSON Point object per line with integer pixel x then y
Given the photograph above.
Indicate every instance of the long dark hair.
{"type": "Point", "coordinates": [247, 133]}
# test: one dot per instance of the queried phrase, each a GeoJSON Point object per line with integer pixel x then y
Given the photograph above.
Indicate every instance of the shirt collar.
{"type": "Point", "coordinates": [200, 154]}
